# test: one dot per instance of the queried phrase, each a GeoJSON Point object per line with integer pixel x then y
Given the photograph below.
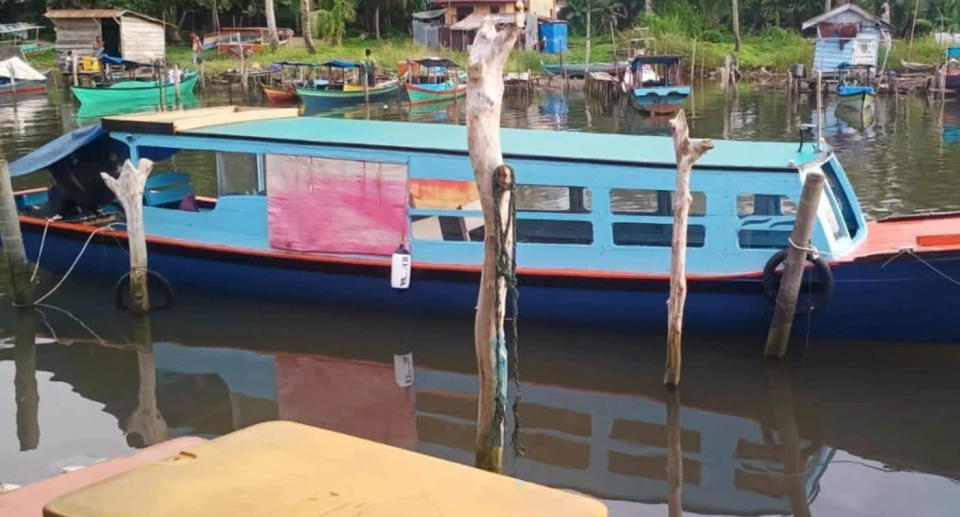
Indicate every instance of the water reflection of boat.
{"type": "Point", "coordinates": [441, 111]}
{"type": "Point", "coordinates": [856, 117]}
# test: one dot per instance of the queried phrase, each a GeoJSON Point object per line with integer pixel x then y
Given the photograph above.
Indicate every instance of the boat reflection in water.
{"type": "Point", "coordinates": [755, 439]}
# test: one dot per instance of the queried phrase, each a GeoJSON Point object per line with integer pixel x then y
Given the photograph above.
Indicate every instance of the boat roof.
{"type": "Point", "coordinates": [337, 63]}
{"type": "Point", "coordinates": [661, 59]}
{"type": "Point", "coordinates": [517, 143]}
{"type": "Point", "coordinates": [436, 61]}
{"type": "Point", "coordinates": [6, 28]}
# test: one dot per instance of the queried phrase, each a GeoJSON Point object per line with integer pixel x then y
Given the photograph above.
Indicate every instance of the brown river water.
{"type": "Point", "coordinates": [838, 429]}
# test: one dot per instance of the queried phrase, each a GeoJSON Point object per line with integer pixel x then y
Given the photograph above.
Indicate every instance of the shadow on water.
{"type": "Point", "coordinates": [823, 431]}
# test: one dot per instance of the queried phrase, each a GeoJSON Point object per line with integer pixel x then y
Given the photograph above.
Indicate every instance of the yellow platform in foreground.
{"type": "Point", "coordinates": [292, 470]}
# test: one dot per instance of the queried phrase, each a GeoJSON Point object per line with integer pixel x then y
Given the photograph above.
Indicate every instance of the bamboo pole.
{"type": "Point", "coordinates": [803, 226]}
{"type": "Point", "coordinates": [25, 378]}
{"type": "Point", "coordinates": [674, 456]}
{"type": "Point", "coordinates": [484, 102]}
{"type": "Point", "coordinates": [176, 85]}
{"type": "Point", "coordinates": [366, 83]}
{"type": "Point", "coordinates": [688, 152]}
{"type": "Point", "coordinates": [129, 191]}
{"type": "Point", "coordinates": [12, 239]}
{"type": "Point", "coordinates": [693, 63]}
{"type": "Point", "coordinates": [913, 27]}
{"type": "Point", "coordinates": [819, 108]}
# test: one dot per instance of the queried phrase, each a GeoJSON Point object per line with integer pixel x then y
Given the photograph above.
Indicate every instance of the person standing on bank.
{"type": "Point", "coordinates": [371, 65]}
{"type": "Point", "coordinates": [197, 47]}
{"type": "Point", "coordinates": [98, 47]}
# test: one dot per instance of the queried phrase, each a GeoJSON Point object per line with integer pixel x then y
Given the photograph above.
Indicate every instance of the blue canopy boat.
{"type": "Point", "coordinates": [331, 93]}
{"type": "Point", "coordinates": [850, 91]}
{"type": "Point", "coordinates": [313, 208]}
{"type": "Point", "coordinates": [654, 84]}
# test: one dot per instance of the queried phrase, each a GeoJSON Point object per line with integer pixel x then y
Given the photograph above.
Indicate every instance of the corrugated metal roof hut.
{"type": "Point", "coordinates": [127, 34]}
{"type": "Point", "coordinates": [847, 34]}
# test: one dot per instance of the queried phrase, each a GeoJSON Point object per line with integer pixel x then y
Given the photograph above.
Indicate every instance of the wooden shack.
{"type": "Point", "coordinates": [126, 34]}
{"type": "Point", "coordinates": [847, 34]}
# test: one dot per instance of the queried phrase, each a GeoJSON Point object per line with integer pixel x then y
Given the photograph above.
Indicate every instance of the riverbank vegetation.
{"type": "Point", "coordinates": [770, 36]}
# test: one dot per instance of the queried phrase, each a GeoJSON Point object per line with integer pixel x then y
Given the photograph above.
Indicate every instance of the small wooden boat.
{"type": "Point", "coordinates": [17, 77]}
{"type": "Point", "coordinates": [952, 69]}
{"type": "Point", "coordinates": [435, 79]}
{"type": "Point", "coordinates": [653, 83]}
{"type": "Point", "coordinates": [917, 68]}
{"type": "Point", "coordinates": [135, 91]}
{"type": "Point", "coordinates": [230, 39]}
{"type": "Point", "coordinates": [376, 185]}
{"type": "Point", "coordinates": [323, 95]}
{"type": "Point", "coordinates": [282, 95]}
{"type": "Point", "coordinates": [579, 70]}
{"type": "Point", "coordinates": [850, 91]}
{"type": "Point", "coordinates": [282, 90]}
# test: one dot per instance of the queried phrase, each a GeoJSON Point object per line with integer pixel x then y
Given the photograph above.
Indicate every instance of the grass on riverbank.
{"type": "Point", "coordinates": [773, 50]}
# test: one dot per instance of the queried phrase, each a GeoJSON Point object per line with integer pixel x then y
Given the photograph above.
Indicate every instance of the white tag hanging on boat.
{"type": "Point", "coordinates": [403, 369]}
{"type": "Point", "coordinates": [400, 269]}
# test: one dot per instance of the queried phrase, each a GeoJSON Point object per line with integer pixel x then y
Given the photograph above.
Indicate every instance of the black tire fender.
{"type": "Point", "coordinates": [771, 280]}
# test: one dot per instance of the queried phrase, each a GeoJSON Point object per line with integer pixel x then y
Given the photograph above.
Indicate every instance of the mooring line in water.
{"type": "Point", "coordinates": [74, 318]}
{"type": "Point", "coordinates": [908, 251]}
{"type": "Point", "coordinates": [70, 269]}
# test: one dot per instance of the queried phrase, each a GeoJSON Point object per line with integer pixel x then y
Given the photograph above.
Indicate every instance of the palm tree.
{"type": "Point", "coordinates": [271, 24]}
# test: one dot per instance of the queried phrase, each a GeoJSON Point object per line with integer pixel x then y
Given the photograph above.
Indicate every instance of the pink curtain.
{"type": "Point", "coordinates": [336, 206]}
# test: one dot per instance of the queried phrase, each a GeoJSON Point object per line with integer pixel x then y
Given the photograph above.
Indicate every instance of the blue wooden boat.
{"type": "Point", "coordinates": [312, 209]}
{"type": "Point", "coordinates": [655, 85]}
{"type": "Point", "coordinates": [324, 95]}
{"type": "Point", "coordinates": [851, 92]}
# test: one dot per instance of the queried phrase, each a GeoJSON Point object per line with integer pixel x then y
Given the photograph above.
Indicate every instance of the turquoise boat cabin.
{"type": "Point", "coordinates": [315, 208]}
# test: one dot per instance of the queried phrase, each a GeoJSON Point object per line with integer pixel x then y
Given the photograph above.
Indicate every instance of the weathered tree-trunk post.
{"type": "Point", "coordinates": [13, 247]}
{"type": "Point", "coordinates": [25, 378]}
{"type": "Point", "coordinates": [129, 191]}
{"type": "Point", "coordinates": [674, 456]}
{"type": "Point", "coordinates": [793, 267]}
{"type": "Point", "coordinates": [688, 152]}
{"type": "Point", "coordinates": [484, 102]}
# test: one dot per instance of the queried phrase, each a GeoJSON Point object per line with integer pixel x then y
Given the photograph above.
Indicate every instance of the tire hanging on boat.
{"type": "Point", "coordinates": [818, 298]}
{"type": "Point", "coordinates": [159, 287]}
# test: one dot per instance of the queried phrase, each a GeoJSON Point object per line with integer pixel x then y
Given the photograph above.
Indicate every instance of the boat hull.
{"type": "Point", "coordinates": [23, 88]}
{"type": "Point", "coordinates": [315, 101]}
{"type": "Point", "coordinates": [280, 95]}
{"type": "Point", "coordinates": [902, 299]}
{"type": "Point", "coordinates": [425, 94]}
{"type": "Point", "coordinates": [660, 101]}
{"type": "Point", "coordinates": [860, 100]}
{"type": "Point", "coordinates": [953, 80]}
{"type": "Point", "coordinates": [131, 95]}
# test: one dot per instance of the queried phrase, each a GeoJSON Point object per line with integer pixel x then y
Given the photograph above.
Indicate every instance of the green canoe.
{"type": "Point", "coordinates": [425, 93]}
{"type": "Point", "coordinates": [133, 91]}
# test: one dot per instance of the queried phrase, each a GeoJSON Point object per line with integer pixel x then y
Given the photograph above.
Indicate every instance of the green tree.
{"type": "Point", "coordinates": [333, 18]}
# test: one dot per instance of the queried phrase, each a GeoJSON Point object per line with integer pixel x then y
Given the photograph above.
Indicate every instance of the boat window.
{"type": "Point", "coordinates": [470, 229]}
{"type": "Point", "coordinates": [240, 174]}
{"type": "Point", "coordinates": [652, 202]}
{"type": "Point", "coordinates": [542, 198]}
{"type": "Point", "coordinates": [765, 204]}
{"type": "Point", "coordinates": [846, 207]}
{"type": "Point", "coordinates": [773, 239]}
{"type": "Point", "coordinates": [655, 234]}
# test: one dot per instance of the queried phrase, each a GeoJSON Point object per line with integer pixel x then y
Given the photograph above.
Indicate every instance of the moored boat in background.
{"type": "Point", "coordinates": [579, 70]}
{"type": "Point", "coordinates": [17, 77]}
{"type": "Point", "coordinates": [324, 94]}
{"type": "Point", "coordinates": [851, 91]}
{"type": "Point", "coordinates": [136, 91]}
{"type": "Point", "coordinates": [653, 84]}
{"type": "Point", "coordinates": [435, 79]}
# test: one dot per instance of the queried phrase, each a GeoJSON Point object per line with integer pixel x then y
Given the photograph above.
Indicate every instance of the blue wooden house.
{"type": "Point", "coordinates": [847, 34]}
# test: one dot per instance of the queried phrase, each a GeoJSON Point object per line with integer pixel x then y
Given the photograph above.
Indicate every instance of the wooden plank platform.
{"type": "Point", "coordinates": [293, 470]}
{"type": "Point", "coordinates": [170, 122]}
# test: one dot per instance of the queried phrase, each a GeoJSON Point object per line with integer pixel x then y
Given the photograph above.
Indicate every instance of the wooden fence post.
{"type": "Point", "coordinates": [688, 152]}
{"type": "Point", "coordinates": [793, 267]}
{"type": "Point", "coordinates": [484, 102]}
{"type": "Point", "coordinates": [13, 247]}
{"type": "Point", "coordinates": [129, 191]}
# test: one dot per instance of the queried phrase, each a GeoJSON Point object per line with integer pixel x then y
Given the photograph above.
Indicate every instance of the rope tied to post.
{"type": "Point", "coordinates": [506, 269]}
{"type": "Point", "coordinates": [812, 250]}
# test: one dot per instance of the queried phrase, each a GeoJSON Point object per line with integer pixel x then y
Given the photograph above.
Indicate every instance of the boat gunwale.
{"type": "Point", "coordinates": [192, 76]}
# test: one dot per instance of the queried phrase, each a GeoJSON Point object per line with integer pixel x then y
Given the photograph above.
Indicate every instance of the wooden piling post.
{"type": "Point", "coordinates": [819, 109]}
{"type": "Point", "coordinates": [366, 83]}
{"type": "Point", "coordinates": [484, 102]}
{"type": "Point", "coordinates": [176, 85]}
{"type": "Point", "coordinates": [129, 191]}
{"type": "Point", "coordinates": [693, 64]}
{"type": "Point", "coordinates": [12, 240]}
{"type": "Point", "coordinates": [76, 72]}
{"type": "Point", "coordinates": [688, 152]}
{"type": "Point", "coordinates": [793, 267]}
